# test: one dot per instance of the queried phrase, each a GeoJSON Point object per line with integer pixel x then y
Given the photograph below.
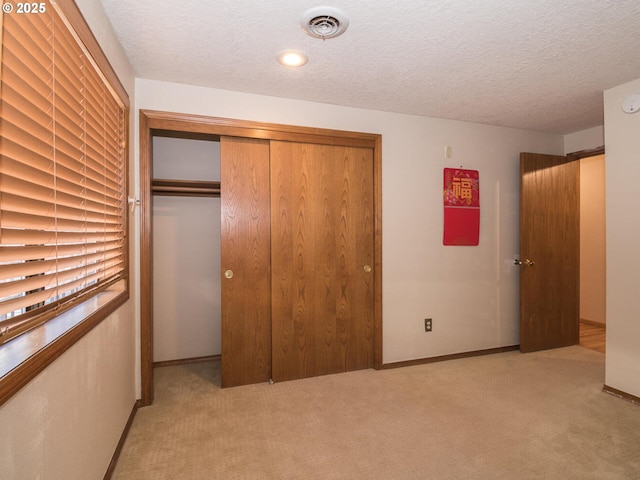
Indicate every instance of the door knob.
{"type": "Point", "coordinates": [228, 274]}
{"type": "Point", "coordinates": [526, 262]}
{"type": "Point", "coordinates": [367, 269]}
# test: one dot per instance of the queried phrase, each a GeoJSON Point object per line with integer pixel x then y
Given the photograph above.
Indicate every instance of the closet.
{"type": "Point", "coordinates": [300, 248]}
{"type": "Point", "coordinates": [186, 248]}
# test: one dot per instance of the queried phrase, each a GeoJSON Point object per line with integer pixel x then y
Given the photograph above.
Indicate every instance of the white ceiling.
{"type": "Point", "coordinates": [532, 64]}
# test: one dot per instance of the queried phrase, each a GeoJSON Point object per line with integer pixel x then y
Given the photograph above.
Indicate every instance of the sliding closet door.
{"type": "Point", "coordinates": [322, 259]}
{"type": "Point", "coordinates": [245, 261]}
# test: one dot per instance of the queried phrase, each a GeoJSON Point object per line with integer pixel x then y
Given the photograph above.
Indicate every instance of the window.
{"type": "Point", "coordinates": [63, 151]}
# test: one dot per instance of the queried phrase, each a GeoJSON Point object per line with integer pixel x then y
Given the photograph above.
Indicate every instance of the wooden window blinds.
{"type": "Point", "coordinates": [62, 172]}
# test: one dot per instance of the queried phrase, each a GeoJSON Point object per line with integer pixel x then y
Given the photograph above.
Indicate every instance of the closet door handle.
{"type": "Point", "coordinates": [367, 269]}
{"type": "Point", "coordinates": [228, 274]}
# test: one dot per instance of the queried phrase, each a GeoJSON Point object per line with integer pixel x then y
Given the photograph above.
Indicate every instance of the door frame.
{"type": "Point", "coordinates": [577, 156]}
{"type": "Point", "coordinates": [179, 124]}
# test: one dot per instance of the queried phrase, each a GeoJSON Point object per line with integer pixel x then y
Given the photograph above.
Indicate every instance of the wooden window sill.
{"type": "Point", "coordinates": [24, 357]}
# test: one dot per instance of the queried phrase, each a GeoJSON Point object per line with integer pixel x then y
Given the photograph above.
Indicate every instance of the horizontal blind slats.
{"type": "Point", "coordinates": [66, 217]}
{"type": "Point", "coordinates": [32, 47]}
{"type": "Point", "coordinates": [66, 180]}
{"type": "Point", "coordinates": [62, 168]}
{"type": "Point", "coordinates": [10, 255]}
{"type": "Point", "coordinates": [21, 220]}
{"type": "Point", "coordinates": [71, 278]}
{"type": "Point", "coordinates": [28, 237]}
{"type": "Point", "coordinates": [37, 176]}
{"type": "Point", "coordinates": [63, 290]}
{"type": "Point", "coordinates": [28, 300]}
{"type": "Point", "coordinates": [91, 261]}
{"type": "Point", "coordinates": [36, 122]}
{"type": "Point", "coordinates": [34, 153]}
{"type": "Point", "coordinates": [20, 83]}
{"type": "Point", "coordinates": [28, 284]}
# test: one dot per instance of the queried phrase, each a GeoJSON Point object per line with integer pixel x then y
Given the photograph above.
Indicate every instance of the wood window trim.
{"type": "Point", "coordinates": [187, 125]}
{"type": "Point", "coordinates": [26, 356]}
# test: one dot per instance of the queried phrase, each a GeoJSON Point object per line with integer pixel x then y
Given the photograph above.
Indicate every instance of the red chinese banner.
{"type": "Point", "coordinates": [461, 207]}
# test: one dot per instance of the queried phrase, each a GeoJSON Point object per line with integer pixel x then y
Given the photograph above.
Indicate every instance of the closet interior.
{"type": "Point", "coordinates": [186, 248]}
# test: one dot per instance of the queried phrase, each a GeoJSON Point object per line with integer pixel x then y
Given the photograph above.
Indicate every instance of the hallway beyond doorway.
{"type": "Point", "coordinates": [593, 336]}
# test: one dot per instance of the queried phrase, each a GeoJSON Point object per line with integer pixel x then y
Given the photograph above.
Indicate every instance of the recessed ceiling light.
{"type": "Point", "coordinates": [291, 58]}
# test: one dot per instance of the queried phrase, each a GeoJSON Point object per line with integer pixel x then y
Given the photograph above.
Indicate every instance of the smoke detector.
{"type": "Point", "coordinates": [324, 22]}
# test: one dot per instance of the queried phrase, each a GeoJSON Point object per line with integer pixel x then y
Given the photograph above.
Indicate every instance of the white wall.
{"type": "Point", "coordinates": [66, 423]}
{"type": "Point", "coordinates": [622, 142]}
{"type": "Point", "coordinates": [186, 254]}
{"type": "Point", "coordinates": [584, 140]}
{"type": "Point", "coordinates": [470, 292]}
{"type": "Point", "coordinates": [593, 239]}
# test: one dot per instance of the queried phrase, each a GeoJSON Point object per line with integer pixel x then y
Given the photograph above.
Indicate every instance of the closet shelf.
{"type": "Point", "coordinates": [185, 188]}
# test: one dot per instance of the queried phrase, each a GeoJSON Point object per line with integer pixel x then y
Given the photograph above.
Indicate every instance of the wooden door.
{"type": "Point", "coordinates": [245, 261]}
{"type": "Point", "coordinates": [322, 257]}
{"type": "Point", "coordinates": [549, 251]}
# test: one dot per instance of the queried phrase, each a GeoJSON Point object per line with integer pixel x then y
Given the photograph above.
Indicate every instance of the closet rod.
{"type": "Point", "coordinates": [185, 188]}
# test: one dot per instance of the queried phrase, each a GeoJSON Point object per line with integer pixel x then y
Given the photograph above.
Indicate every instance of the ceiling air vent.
{"type": "Point", "coordinates": [324, 22]}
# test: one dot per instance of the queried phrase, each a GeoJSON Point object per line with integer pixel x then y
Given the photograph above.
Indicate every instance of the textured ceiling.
{"type": "Point", "coordinates": [532, 64]}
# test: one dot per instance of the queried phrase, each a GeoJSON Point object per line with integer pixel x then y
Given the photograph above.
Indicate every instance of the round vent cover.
{"type": "Point", "coordinates": [324, 22]}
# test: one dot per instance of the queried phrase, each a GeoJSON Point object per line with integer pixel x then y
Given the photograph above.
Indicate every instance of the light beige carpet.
{"type": "Point", "coordinates": [505, 416]}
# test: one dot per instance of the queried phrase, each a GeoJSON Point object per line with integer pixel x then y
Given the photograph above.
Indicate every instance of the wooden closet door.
{"type": "Point", "coordinates": [322, 259]}
{"type": "Point", "coordinates": [245, 261]}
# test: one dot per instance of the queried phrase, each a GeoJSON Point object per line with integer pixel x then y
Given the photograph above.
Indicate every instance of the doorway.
{"type": "Point", "coordinates": [593, 253]}
{"type": "Point", "coordinates": [152, 122]}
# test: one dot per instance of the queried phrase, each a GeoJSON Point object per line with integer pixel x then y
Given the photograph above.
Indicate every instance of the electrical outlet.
{"type": "Point", "coordinates": [428, 324]}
